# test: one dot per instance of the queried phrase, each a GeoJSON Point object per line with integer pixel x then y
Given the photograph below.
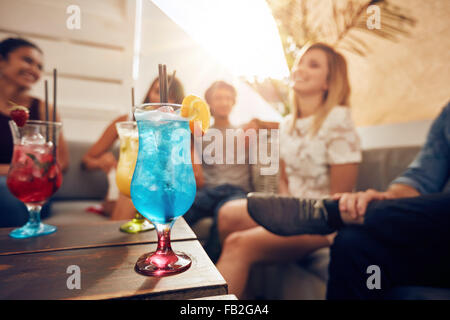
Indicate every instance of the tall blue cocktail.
{"type": "Point", "coordinates": [163, 185]}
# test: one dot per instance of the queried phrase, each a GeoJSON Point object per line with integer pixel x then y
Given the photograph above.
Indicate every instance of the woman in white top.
{"type": "Point", "coordinates": [319, 151]}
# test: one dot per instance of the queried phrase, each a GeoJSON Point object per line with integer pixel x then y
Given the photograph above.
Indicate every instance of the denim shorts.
{"type": "Point", "coordinates": [208, 201]}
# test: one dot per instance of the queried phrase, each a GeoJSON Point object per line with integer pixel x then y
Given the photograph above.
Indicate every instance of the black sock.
{"type": "Point", "coordinates": [334, 216]}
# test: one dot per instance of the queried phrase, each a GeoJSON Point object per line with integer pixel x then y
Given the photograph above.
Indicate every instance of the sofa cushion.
{"type": "Point", "coordinates": [81, 184]}
{"type": "Point", "coordinates": [74, 213]}
{"type": "Point", "coordinates": [317, 263]}
{"type": "Point", "coordinates": [380, 166]}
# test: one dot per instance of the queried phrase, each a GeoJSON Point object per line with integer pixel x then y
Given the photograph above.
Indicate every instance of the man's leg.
{"type": "Point", "coordinates": [423, 220]}
{"type": "Point", "coordinates": [349, 259]}
{"type": "Point", "coordinates": [428, 216]}
{"type": "Point", "coordinates": [355, 249]}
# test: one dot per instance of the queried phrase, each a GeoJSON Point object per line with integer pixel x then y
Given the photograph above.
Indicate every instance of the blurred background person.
{"type": "Point", "coordinates": [222, 182]}
{"type": "Point", "coordinates": [319, 155]}
{"type": "Point", "coordinates": [21, 67]}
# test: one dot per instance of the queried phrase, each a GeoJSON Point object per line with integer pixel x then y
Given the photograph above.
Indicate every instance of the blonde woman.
{"type": "Point", "coordinates": [319, 156]}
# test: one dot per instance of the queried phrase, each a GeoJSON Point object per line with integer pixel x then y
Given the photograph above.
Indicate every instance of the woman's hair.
{"type": "Point", "coordinates": [217, 85]}
{"type": "Point", "coordinates": [10, 44]}
{"type": "Point", "coordinates": [338, 91]}
{"type": "Point", "coordinates": [176, 90]}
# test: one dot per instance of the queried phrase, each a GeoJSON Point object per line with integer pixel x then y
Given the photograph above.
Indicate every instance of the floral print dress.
{"type": "Point", "coordinates": [308, 158]}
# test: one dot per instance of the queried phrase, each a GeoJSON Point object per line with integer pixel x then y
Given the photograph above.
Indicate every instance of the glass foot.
{"type": "Point", "coordinates": [162, 264]}
{"type": "Point", "coordinates": [136, 226]}
{"type": "Point", "coordinates": [32, 230]}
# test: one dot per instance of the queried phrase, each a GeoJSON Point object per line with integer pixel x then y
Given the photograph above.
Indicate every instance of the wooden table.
{"type": "Point", "coordinates": [222, 297]}
{"type": "Point", "coordinates": [37, 268]}
{"type": "Point", "coordinates": [104, 234]}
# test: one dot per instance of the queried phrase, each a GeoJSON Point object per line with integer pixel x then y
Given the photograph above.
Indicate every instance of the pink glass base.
{"type": "Point", "coordinates": [161, 264]}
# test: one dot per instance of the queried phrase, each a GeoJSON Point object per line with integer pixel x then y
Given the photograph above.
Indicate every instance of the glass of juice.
{"type": "Point", "coordinates": [163, 185]}
{"type": "Point", "coordinates": [34, 174]}
{"type": "Point", "coordinates": [129, 146]}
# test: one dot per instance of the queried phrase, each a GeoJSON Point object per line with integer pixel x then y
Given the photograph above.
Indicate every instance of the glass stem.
{"type": "Point", "coordinates": [138, 216]}
{"type": "Point", "coordinates": [163, 231]}
{"type": "Point", "coordinates": [35, 214]}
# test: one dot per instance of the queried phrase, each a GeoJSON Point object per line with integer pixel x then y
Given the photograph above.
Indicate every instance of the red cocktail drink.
{"type": "Point", "coordinates": [34, 175]}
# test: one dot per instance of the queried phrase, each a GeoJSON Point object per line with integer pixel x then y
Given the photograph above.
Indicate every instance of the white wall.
{"type": "Point", "coordinates": [94, 63]}
{"type": "Point", "coordinates": [407, 80]}
{"type": "Point", "coordinates": [394, 135]}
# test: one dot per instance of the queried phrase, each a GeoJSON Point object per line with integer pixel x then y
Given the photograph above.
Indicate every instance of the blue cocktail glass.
{"type": "Point", "coordinates": [163, 185]}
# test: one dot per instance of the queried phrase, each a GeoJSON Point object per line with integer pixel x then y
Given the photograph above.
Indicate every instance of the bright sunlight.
{"type": "Point", "coordinates": [241, 35]}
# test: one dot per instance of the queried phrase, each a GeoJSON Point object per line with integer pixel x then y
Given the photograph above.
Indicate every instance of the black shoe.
{"type": "Point", "coordinates": [288, 216]}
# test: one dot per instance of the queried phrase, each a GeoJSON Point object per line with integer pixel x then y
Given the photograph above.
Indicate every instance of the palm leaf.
{"type": "Point", "coordinates": [331, 22]}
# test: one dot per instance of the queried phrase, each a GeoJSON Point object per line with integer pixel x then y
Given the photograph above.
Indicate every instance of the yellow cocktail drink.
{"type": "Point", "coordinates": [129, 145]}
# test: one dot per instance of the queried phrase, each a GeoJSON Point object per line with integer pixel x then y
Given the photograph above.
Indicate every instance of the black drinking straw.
{"type": "Point", "coordinates": [161, 85]}
{"type": "Point", "coordinates": [54, 94]}
{"type": "Point", "coordinates": [46, 110]}
{"type": "Point", "coordinates": [165, 83]}
{"type": "Point", "coordinates": [132, 104]}
{"type": "Point", "coordinates": [54, 110]}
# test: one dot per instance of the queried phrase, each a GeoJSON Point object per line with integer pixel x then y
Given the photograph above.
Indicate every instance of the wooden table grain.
{"type": "Point", "coordinates": [221, 297]}
{"type": "Point", "coordinates": [106, 273]}
{"type": "Point", "coordinates": [102, 234]}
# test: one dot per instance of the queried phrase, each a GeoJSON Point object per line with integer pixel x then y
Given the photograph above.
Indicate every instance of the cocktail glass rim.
{"type": "Point", "coordinates": [38, 122]}
{"type": "Point", "coordinates": [143, 106]}
{"type": "Point", "coordinates": [127, 122]}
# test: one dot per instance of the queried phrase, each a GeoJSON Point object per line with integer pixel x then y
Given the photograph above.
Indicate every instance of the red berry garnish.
{"type": "Point", "coordinates": [20, 115]}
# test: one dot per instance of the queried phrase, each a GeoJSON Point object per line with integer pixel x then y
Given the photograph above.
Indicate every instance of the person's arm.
{"type": "Point", "coordinates": [353, 205]}
{"type": "Point", "coordinates": [4, 168]}
{"type": "Point", "coordinates": [430, 170]}
{"type": "Point", "coordinates": [343, 177]}
{"type": "Point", "coordinates": [259, 124]}
{"type": "Point", "coordinates": [196, 167]}
{"type": "Point", "coordinates": [63, 151]}
{"type": "Point", "coordinates": [426, 174]}
{"type": "Point", "coordinates": [98, 156]}
{"type": "Point", "coordinates": [398, 190]}
{"type": "Point", "coordinates": [283, 183]}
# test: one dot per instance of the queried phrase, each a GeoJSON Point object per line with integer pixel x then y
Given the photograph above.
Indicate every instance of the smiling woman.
{"type": "Point", "coordinates": [21, 65]}
{"type": "Point", "coordinates": [21, 62]}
